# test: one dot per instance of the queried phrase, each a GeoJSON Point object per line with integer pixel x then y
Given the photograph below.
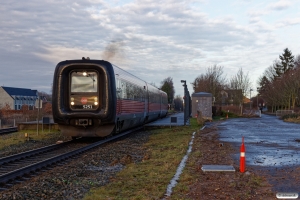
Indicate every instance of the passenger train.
{"type": "Point", "coordinates": [94, 98]}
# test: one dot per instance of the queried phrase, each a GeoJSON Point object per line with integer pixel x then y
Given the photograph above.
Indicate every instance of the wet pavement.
{"type": "Point", "coordinates": [271, 145]}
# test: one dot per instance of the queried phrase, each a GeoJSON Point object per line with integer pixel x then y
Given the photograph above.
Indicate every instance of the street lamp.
{"type": "Point", "coordinates": [250, 97]}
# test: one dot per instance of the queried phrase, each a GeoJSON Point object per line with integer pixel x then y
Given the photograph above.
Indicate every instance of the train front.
{"type": "Point", "coordinates": [84, 98]}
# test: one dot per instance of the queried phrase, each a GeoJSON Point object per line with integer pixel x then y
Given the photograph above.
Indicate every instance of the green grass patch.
{"type": "Point", "coordinates": [19, 137]}
{"type": "Point", "coordinates": [149, 179]}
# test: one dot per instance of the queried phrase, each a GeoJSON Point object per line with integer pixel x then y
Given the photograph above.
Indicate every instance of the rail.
{"type": "Point", "coordinates": [32, 168]}
{"type": "Point", "coordinates": [8, 130]}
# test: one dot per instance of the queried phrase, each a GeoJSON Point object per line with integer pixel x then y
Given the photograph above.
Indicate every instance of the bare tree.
{"type": "Point", "coordinates": [213, 81]}
{"type": "Point", "coordinates": [297, 62]}
{"type": "Point", "coordinates": [241, 81]}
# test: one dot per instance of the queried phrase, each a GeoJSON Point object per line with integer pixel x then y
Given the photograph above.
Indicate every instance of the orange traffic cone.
{"type": "Point", "coordinates": [242, 157]}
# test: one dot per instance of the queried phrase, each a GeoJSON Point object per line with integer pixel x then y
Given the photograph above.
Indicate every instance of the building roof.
{"type": "Point", "coordinates": [19, 91]}
{"type": "Point", "coordinates": [202, 94]}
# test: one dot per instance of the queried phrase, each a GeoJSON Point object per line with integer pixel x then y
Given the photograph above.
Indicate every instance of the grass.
{"type": "Point", "coordinates": [19, 137]}
{"type": "Point", "coordinates": [149, 179]}
{"type": "Point", "coordinates": [294, 118]}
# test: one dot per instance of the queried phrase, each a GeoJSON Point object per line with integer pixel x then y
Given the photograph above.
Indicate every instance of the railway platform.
{"type": "Point", "coordinates": [32, 125]}
{"type": "Point", "coordinates": [178, 117]}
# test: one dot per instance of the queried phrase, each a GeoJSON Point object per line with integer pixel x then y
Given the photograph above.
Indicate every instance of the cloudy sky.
{"type": "Point", "coordinates": [151, 39]}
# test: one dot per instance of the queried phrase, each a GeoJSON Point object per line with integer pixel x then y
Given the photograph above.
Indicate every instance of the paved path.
{"type": "Point", "coordinates": [272, 146]}
{"type": "Point", "coordinates": [167, 121]}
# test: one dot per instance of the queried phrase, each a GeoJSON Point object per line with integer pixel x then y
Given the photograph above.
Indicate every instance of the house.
{"type": "Point", "coordinates": [231, 97]}
{"type": "Point", "coordinates": [17, 97]}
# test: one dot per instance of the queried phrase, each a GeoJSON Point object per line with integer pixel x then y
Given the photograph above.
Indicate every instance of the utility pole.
{"type": "Point", "coordinates": [257, 99]}
{"type": "Point", "coordinates": [38, 115]}
{"type": "Point", "coordinates": [250, 99]}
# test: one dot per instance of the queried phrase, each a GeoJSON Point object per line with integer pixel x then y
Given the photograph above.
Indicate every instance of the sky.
{"type": "Point", "coordinates": [151, 39]}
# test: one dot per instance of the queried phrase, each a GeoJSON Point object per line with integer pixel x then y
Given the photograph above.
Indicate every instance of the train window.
{"type": "Point", "coordinates": [84, 81]}
{"type": "Point", "coordinates": [118, 89]}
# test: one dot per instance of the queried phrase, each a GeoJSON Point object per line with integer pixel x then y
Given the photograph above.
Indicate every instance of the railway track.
{"type": "Point", "coordinates": [19, 167]}
{"type": "Point", "coordinates": [8, 130]}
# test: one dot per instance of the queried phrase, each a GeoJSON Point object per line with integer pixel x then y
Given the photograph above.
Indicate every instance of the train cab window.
{"type": "Point", "coordinates": [84, 82]}
{"type": "Point", "coordinates": [84, 91]}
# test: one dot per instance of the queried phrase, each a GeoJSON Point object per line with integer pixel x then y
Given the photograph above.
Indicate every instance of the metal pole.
{"type": "Point", "coordinates": [39, 100]}
{"type": "Point", "coordinates": [185, 98]}
{"type": "Point", "coordinates": [250, 98]}
{"type": "Point", "coordinates": [0, 123]}
{"type": "Point", "coordinates": [257, 99]}
{"type": "Point", "coordinates": [185, 105]}
{"type": "Point", "coordinates": [259, 113]}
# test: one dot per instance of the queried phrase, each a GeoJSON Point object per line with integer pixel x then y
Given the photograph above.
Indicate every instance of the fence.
{"type": "Point", "coordinates": [280, 113]}
{"type": "Point", "coordinates": [14, 120]}
{"type": "Point", "coordinates": [11, 118]}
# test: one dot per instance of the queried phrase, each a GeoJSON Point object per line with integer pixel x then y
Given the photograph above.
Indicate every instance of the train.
{"type": "Point", "coordinates": [95, 98]}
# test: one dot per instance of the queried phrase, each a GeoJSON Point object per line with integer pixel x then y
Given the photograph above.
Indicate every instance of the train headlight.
{"type": "Point", "coordinates": [96, 103]}
{"type": "Point", "coordinates": [84, 74]}
{"type": "Point", "coordinates": [72, 103]}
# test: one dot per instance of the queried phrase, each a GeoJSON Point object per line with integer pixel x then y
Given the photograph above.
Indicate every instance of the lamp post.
{"type": "Point", "coordinates": [250, 98]}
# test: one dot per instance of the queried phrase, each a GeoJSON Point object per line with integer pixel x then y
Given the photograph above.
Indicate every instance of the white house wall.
{"type": "Point", "coordinates": [6, 99]}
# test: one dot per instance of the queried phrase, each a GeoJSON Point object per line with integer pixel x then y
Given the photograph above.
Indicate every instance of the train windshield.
{"type": "Point", "coordinates": [85, 81]}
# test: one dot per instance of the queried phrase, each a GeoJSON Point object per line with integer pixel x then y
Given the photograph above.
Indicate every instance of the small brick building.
{"type": "Point", "coordinates": [202, 101]}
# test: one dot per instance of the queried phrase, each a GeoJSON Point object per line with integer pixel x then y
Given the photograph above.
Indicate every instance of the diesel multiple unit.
{"type": "Point", "coordinates": [94, 98]}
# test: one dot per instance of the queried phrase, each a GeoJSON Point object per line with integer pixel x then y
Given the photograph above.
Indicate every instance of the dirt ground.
{"type": "Point", "coordinates": [253, 184]}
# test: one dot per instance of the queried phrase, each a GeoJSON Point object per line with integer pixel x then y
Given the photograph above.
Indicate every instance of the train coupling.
{"type": "Point", "coordinates": [83, 122]}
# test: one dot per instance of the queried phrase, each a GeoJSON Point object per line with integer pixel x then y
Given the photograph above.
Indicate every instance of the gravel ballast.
{"type": "Point", "coordinates": [74, 178]}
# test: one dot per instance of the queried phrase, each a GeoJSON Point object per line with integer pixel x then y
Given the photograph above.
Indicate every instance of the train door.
{"type": "Point", "coordinates": [119, 96]}
{"type": "Point", "coordinates": [160, 103]}
{"type": "Point", "coordinates": [146, 101]}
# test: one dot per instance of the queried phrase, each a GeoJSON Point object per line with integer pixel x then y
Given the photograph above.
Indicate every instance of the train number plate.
{"type": "Point", "coordinates": [87, 106]}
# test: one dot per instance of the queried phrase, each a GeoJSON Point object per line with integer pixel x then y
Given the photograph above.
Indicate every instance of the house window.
{"type": "Point", "coordinates": [19, 107]}
{"type": "Point", "coordinates": [16, 107]}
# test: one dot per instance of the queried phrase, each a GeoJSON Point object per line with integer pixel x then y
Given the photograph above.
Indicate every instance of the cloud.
{"type": "Point", "coordinates": [280, 5]}
{"type": "Point", "coordinates": [151, 39]}
{"type": "Point", "coordinates": [288, 22]}
{"type": "Point", "coordinates": [257, 13]}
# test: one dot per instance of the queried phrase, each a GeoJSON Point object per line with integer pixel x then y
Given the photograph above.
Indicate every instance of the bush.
{"type": "Point", "coordinates": [293, 115]}
{"type": "Point", "coordinates": [230, 114]}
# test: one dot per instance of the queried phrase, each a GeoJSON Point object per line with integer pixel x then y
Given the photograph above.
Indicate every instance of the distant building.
{"type": "Point", "coordinates": [17, 97]}
{"type": "Point", "coordinates": [231, 97]}
{"type": "Point", "coordinates": [202, 101]}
